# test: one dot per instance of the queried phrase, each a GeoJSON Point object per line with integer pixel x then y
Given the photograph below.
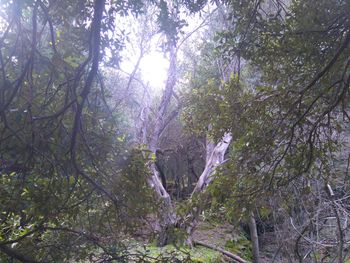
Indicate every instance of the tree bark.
{"type": "Point", "coordinates": [254, 238]}
{"type": "Point", "coordinates": [216, 159]}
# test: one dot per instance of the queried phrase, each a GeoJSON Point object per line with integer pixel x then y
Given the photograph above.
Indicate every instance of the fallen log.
{"type": "Point", "coordinates": [226, 253]}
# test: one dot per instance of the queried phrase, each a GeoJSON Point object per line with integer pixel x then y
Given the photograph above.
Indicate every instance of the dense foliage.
{"type": "Point", "coordinates": [287, 109]}
{"type": "Point", "coordinates": [88, 153]}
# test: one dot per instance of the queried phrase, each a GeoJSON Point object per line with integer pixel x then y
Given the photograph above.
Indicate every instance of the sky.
{"type": "Point", "coordinates": [153, 68]}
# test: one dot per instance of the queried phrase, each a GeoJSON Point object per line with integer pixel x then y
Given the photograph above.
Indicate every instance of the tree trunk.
{"type": "Point", "coordinates": [167, 211]}
{"type": "Point", "coordinates": [216, 159]}
{"type": "Point", "coordinates": [254, 238]}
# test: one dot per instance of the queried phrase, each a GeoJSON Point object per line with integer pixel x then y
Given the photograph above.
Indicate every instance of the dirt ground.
{"type": "Point", "coordinates": [218, 234]}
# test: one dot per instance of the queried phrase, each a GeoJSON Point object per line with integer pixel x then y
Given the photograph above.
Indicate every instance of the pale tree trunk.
{"type": "Point", "coordinates": [167, 210]}
{"type": "Point", "coordinates": [215, 159]}
{"type": "Point", "coordinates": [254, 238]}
{"type": "Point", "coordinates": [165, 101]}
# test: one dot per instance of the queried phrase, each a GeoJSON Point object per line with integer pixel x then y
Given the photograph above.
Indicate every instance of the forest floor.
{"type": "Point", "coordinates": [233, 239]}
{"type": "Point", "coordinates": [221, 235]}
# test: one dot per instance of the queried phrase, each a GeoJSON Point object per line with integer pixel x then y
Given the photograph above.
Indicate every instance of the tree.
{"type": "Point", "coordinates": [169, 220]}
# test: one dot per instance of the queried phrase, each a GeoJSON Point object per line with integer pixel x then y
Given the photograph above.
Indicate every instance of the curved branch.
{"type": "Point", "coordinates": [95, 41]}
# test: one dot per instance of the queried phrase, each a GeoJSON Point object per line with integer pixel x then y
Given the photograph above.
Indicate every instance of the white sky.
{"type": "Point", "coordinates": [153, 68]}
{"type": "Point", "coordinates": [154, 64]}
